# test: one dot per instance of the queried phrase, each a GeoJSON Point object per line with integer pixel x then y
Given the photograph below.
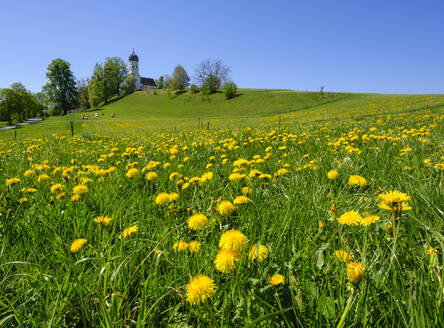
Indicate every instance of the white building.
{"type": "Point", "coordinates": [142, 83]}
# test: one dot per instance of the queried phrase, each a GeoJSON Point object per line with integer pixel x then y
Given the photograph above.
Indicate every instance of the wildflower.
{"type": "Point", "coordinates": [12, 181]}
{"type": "Point", "coordinates": [357, 180]}
{"type": "Point", "coordinates": [194, 246]}
{"type": "Point", "coordinates": [75, 197]}
{"type": "Point", "coordinates": [150, 176]}
{"type": "Point", "coordinates": [321, 225]}
{"type": "Point", "coordinates": [236, 176]}
{"type": "Point", "coordinates": [332, 174]}
{"type": "Point", "coordinates": [173, 196]}
{"type": "Point", "coordinates": [180, 246]}
{"type": "Point", "coordinates": [233, 239]}
{"type": "Point", "coordinates": [127, 232]}
{"type": "Point", "coordinates": [77, 245]}
{"type": "Point", "coordinates": [105, 220]}
{"type": "Point", "coordinates": [29, 190]}
{"type": "Point", "coordinates": [132, 172]}
{"type": "Point", "coordinates": [29, 173]}
{"type": "Point", "coordinates": [350, 218]}
{"type": "Point", "coordinates": [432, 252]}
{"type": "Point", "coordinates": [207, 176]}
{"type": "Point", "coordinates": [343, 256]}
{"type": "Point", "coordinates": [225, 207]}
{"type": "Point", "coordinates": [162, 198]}
{"type": "Point", "coordinates": [276, 279]}
{"type": "Point", "coordinates": [246, 190]}
{"type": "Point", "coordinates": [260, 253]}
{"type": "Point", "coordinates": [23, 200]}
{"type": "Point", "coordinates": [197, 222]}
{"type": "Point", "coordinates": [80, 189]}
{"type": "Point", "coordinates": [199, 289]}
{"type": "Point", "coordinates": [43, 177]}
{"type": "Point", "coordinates": [282, 171]}
{"type": "Point", "coordinates": [369, 219]}
{"type": "Point", "coordinates": [265, 176]}
{"type": "Point", "coordinates": [355, 271]}
{"type": "Point", "coordinates": [226, 260]}
{"type": "Point", "coordinates": [186, 185]}
{"type": "Point", "coordinates": [394, 201]}
{"type": "Point", "coordinates": [239, 200]}
{"type": "Point", "coordinates": [56, 187]}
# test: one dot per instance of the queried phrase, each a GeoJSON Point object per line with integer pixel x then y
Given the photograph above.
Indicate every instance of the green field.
{"type": "Point", "coordinates": [144, 111]}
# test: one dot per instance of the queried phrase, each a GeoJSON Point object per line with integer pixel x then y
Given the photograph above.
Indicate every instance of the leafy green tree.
{"type": "Point", "coordinates": [115, 72]}
{"type": "Point", "coordinates": [194, 89]}
{"type": "Point", "coordinates": [180, 79]}
{"type": "Point", "coordinates": [212, 82]}
{"type": "Point", "coordinates": [61, 87]}
{"type": "Point", "coordinates": [230, 89]}
{"type": "Point", "coordinates": [128, 86]}
{"type": "Point", "coordinates": [96, 87]}
{"type": "Point", "coordinates": [160, 82]}
{"type": "Point", "coordinates": [10, 104]}
{"type": "Point", "coordinates": [83, 95]}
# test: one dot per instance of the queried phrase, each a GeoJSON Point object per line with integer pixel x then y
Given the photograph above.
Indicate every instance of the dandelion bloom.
{"type": "Point", "coordinates": [56, 187]}
{"type": "Point", "coordinates": [127, 232]}
{"type": "Point", "coordinates": [239, 200]}
{"type": "Point", "coordinates": [282, 171]}
{"type": "Point", "coordinates": [207, 176]}
{"type": "Point", "coordinates": [77, 245]}
{"type": "Point", "coordinates": [180, 246]}
{"type": "Point", "coordinates": [357, 180]}
{"type": "Point", "coordinates": [43, 177]}
{"type": "Point", "coordinates": [260, 253]}
{"type": "Point", "coordinates": [332, 174]}
{"type": "Point", "coordinates": [394, 201]}
{"type": "Point", "coordinates": [236, 176]}
{"type": "Point", "coordinates": [75, 197]}
{"type": "Point", "coordinates": [173, 196]}
{"type": "Point", "coordinates": [246, 190]}
{"type": "Point", "coordinates": [29, 173]}
{"type": "Point", "coordinates": [226, 260]}
{"type": "Point", "coordinates": [105, 220]}
{"type": "Point", "coordinates": [276, 279]}
{"type": "Point", "coordinates": [12, 181]}
{"type": "Point", "coordinates": [194, 246]}
{"type": "Point", "coordinates": [197, 222]}
{"type": "Point", "coordinates": [233, 239]}
{"type": "Point", "coordinates": [132, 172]}
{"type": "Point", "coordinates": [350, 218]}
{"type": "Point", "coordinates": [226, 207]}
{"type": "Point", "coordinates": [23, 200]}
{"type": "Point", "coordinates": [150, 176]}
{"type": "Point", "coordinates": [321, 225]}
{"type": "Point", "coordinates": [80, 189]}
{"type": "Point", "coordinates": [199, 289]}
{"type": "Point", "coordinates": [162, 198]}
{"type": "Point", "coordinates": [174, 176]}
{"type": "Point", "coordinates": [369, 219]}
{"type": "Point", "coordinates": [343, 256]}
{"type": "Point", "coordinates": [432, 252]}
{"type": "Point", "coordinates": [355, 271]}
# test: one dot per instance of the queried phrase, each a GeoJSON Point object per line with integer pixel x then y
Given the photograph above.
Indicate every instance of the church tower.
{"type": "Point", "coordinates": [134, 68]}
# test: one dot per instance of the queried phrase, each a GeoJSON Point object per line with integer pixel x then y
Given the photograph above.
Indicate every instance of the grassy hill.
{"type": "Point", "coordinates": [147, 111]}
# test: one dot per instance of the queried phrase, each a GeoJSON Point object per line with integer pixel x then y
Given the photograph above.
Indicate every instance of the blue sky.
{"type": "Point", "coordinates": [359, 46]}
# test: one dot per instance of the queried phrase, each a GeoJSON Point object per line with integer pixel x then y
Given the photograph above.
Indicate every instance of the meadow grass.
{"type": "Point", "coordinates": [293, 209]}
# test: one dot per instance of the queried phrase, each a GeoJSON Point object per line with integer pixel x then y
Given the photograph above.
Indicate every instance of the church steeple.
{"type": "Point", "coordinates": [134, 64]}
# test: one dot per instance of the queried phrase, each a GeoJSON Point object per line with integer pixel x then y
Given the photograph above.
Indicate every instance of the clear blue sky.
{"type": "Point", "coordinates": [359, 46]}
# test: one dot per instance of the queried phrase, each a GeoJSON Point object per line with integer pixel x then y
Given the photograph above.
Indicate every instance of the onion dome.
{"type": "Point", "coordinates": [133, 57]}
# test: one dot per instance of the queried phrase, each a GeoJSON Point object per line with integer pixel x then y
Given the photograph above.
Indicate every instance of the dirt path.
{"type": "Point", "coordinates": [27, 122]}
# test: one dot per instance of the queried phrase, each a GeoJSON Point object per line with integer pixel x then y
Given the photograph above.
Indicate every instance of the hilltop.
{"type": "Point", "coordinates": [145, 111]}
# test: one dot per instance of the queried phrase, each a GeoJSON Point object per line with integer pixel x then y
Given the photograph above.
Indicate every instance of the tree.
{"type": "Point", "coordinates": [230, 89]}
{"type": "Point", "coordinates": [10, 103]}
{"type": "Point", "coordinates": [115, 72]}
{"type": "Point", "coordinates": [180, 79]}
{"type": "Point", "coordinates": [160, 82]}
{"type": "Point", "coordinates": [128, 86]}
{"type": "Point", "coordinates": [83, 94]}
{"type": "Point", "coordinates": [96, 87]}
{"type": "Point", "coordinates": [61, 87]}
{"type": "Point", "coordinates": [211, 67]}
{"type": "Point", "coordinates": [212, 83]}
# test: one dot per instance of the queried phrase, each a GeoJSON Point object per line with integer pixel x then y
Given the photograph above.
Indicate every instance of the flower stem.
{"type": "Point", "coordinates": [347, 309]}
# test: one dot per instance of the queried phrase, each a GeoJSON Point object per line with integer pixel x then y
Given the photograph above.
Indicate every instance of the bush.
{"type": "Point", "coordinates": [194, 89]}
{"type": "Point", "coordinates": [230, 90]}
{"type": "Point", "coordinates": [212, 82]}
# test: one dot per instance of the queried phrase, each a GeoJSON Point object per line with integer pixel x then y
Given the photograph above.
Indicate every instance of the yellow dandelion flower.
{"type": "Point", "coordinates": [236, 177]}
{"type": "Point", "coordinates": [197, 222]}
{"type": "Point", "coordinates": [432, 251]}
{"type": "Point", "coordinates": [239, 200]}
{"type": "Point", "coordinates": [23, 200]}
{"type": "Point", "coordinates": [276, 279]}
{"type": "Point", "coordinates": [78, 244]}
{"type": "Point", "coordinates": [355, 271]}
{"type": "Point", "coordinates": [369, 219]}
{"type": "Point", "coordinates": [226, 207]}
{"type": "Point", "coordinates": [173, 196]}
{"type": "Point", "coordinates": [150, 176]}
{"type": "Point", "coordinates": [332, 174]}
{"type": "Point", "coordinates": [56, 188]}
{"type": "Point", "coordinates": [43, 177]}
{"type": "Point", "coordinates": [207, 176]}
{"type": "Point", "coordinates": [186, 185]}
{"type": "Point", "coordinates": [174, 176]}
{"type": "Point", "coordinates": [402, 207]}
{"type": "Point", "coordinates": [127, 232]}
{"type": "Point", "coordinates": [260, 253]}
{"type": "Point", "coordinates": [343, 256]}
{"type": "Point", "coordinates": [199, 289]}
{"type": "Point", "coordinates": [233, 239]}
{"type": "Point", "coordinates": [181, 246]}
{"type": "Point", "coordinates": [132, 172]}
{"type": "Point", "coordinates": [226, 260]}
{"type": "Point", "coordinates": [75, 197]}
{"type": "Point", "coordinates": [357, 180]}
{"type": "Point", "coordinates": [80, 189]}
{"type": "Point", "coordinates": [105, 220]}
{"type": "Point", "coordinates": [350, 218]}
{"type": "Point", "coordinates": [162, 198]}
{"type": "Point", "coordinates": [194, 246]}
{"type": "Point", "coordinates": [10, 182]}
{"type": "Point", "coordinates": [246, 190]}
{"type": "Point", "coordinates": [29, 173]}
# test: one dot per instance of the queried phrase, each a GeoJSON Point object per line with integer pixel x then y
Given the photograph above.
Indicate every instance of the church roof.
{"type": "Point", "coordinates": [133, 57]}
{"type": "Point", "coordinates": [148, 81]}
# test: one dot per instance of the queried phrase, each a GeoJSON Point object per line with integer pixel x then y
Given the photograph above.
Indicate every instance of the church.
{"type": "Point", "coordinates": [142, 83]}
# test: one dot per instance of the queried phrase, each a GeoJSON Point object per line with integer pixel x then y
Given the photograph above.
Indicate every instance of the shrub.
{"type": "Point", "coordinates": [230, 90]}
{"type": "Point", "coordinates": [212, 82]}
{"type": "Point", "coordinates": [194, 89]}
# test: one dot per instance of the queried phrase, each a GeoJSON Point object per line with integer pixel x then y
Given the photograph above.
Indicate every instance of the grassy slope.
{"type": "Point", "coordinates": [144, 111]}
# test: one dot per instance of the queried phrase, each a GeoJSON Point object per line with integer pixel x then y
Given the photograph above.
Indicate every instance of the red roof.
{"type": "Point", "coordinates": [148, 81]}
